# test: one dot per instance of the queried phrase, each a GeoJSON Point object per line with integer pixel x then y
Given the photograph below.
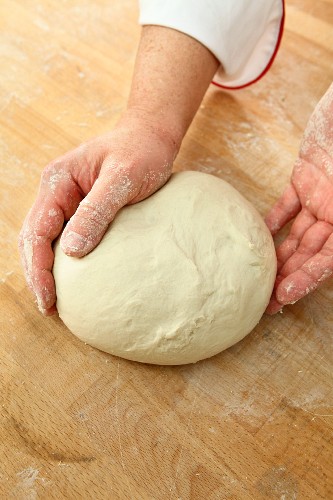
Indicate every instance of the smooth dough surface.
{"type": "Point", "coordinates": [177, 277]}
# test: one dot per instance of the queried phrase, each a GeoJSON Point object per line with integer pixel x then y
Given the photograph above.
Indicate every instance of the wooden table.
{"type": "Point", "coordinates": [253, 422]}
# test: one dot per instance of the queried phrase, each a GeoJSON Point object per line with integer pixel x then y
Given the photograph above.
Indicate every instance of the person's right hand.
{"type": "Point", "coordinates": [87, 187]}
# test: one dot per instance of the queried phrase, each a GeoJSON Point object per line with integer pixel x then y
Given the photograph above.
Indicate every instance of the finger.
{"type": "Point", "coordinates": [50, 311]}
{"type": "Point", "coordinates": [302, 223]}
{"type": "Point", "coordinates": [306, 279]}
{"type": "Point", "coordinates": [41, 226]}
{"type": "Point", "coordinates": [57, 199]}
{"type": "Point", "coordinates": [114, 188]}
{"type": "Point", "coordinates": [285, 209]}
{"type": "Point", "coordinates": [274, 306]}
{"type": "Point", "coordinates": [311, 243]}
{"type": "Point", "coordinates": [25, 252]}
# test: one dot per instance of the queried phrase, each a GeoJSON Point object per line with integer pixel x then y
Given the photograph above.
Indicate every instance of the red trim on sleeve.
{"type": "Point", "coordinates": [270, 62]}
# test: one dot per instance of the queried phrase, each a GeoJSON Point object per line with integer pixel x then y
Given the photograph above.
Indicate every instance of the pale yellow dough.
{"type": "Point", "coordinates": [177, 278]}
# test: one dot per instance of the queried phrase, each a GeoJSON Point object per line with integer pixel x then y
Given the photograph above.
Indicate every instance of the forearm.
{"type": "Point", "coordinates": [171, 75]}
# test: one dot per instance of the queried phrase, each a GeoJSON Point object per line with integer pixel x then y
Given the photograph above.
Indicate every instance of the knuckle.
{"type": "Point", "coordinates": [54, 174]}
{"type": "Point", "coordinates": [90, 214]}
{"type": "Point", "coordinates": [51, 168]}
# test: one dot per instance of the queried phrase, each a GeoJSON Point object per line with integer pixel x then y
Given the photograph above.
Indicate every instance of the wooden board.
{"type": "Point", "coordinates": [253, 422]}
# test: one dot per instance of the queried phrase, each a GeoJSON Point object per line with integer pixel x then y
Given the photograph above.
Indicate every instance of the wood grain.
{"type": "Point", "coordinates": [255, 421]}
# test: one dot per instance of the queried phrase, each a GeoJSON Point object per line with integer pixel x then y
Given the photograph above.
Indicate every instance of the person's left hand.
{"type": "Point", "coordinates": [305, 258]}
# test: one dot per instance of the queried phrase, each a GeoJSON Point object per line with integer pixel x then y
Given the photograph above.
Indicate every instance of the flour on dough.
{"type": "Point", "coordinates": [177, 277]}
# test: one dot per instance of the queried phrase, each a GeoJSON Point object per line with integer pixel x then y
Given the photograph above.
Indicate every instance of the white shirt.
{"type": "Point", "coordinates": [244, 35]}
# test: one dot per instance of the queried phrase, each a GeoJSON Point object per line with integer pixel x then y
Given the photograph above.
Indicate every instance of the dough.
{"type": "Point", "coordinates": [177, 277]}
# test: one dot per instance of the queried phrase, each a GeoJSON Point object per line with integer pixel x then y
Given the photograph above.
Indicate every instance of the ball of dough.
{"type": "Point", "coordinates": [177, 277]}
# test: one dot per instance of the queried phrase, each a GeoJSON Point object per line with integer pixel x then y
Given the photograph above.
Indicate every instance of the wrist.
{"type": "Point", "coordinates": [165, 129]}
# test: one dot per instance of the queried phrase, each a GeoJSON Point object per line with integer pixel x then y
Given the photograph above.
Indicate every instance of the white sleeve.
{"type": "Point", "coordinates": [244, 35]}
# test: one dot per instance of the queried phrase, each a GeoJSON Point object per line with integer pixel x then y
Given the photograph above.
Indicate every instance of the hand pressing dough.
{"type": "Point", "coordinates": [177, 277]}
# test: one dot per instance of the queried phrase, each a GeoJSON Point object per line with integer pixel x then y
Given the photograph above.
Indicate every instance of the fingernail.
{"type": "Point", "coordinates": [274, 310]}
{"type": "Point", "coordinates": [72, 243]}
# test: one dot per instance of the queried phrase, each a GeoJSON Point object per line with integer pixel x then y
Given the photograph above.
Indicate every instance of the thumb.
{"type": "Point", "coordinates": [110, 192]}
